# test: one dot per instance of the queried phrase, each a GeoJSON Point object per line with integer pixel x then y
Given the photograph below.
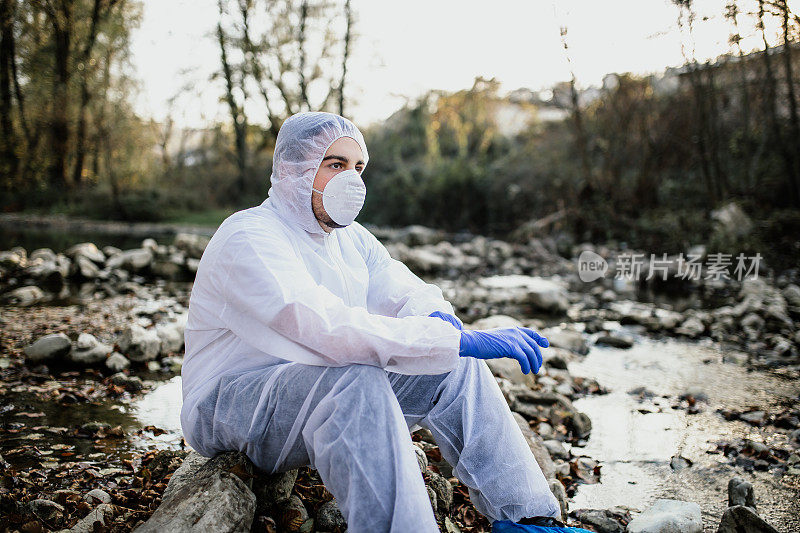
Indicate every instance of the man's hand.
{"type": "Point", "coordinates": [448, 318]}
{"type": "Point", "coordinates": [520, 343]}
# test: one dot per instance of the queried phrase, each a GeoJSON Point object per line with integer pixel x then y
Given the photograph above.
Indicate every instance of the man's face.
{"type": "Point", "coordinates": [343, 154]}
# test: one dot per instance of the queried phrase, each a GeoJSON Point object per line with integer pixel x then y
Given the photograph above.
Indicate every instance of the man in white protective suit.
{"type": "Point", "coordinates": [308, 345]}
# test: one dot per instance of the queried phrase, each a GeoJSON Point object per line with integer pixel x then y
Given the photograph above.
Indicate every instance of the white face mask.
{"type": "Point", "coordinates": [344, 196]}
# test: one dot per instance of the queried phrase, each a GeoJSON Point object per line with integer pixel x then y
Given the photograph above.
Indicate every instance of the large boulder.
{"type": "Point", "coordinates": [669, 516]}
{"type": "Point", "coordinates": [216, 498]}
{"type": "Point", "coordinates": [48, 348]}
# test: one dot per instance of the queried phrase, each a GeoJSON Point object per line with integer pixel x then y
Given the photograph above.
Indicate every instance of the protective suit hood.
{"type": "Point", "coordinates": [302, 142]}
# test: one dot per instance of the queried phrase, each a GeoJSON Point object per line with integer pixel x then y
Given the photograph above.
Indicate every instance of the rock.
{"type": "Point", "coordinates": [184, 474]}
{"type": "Point", "coordinates": [217, 499]}
{"type": "Point", "coordinates": [87, 250]}
{"type": "Point", "coordinates": [149, 244]}
{"type": "Point", "coordinates": [45, 510]}
{"type": "Point", "coordinates": [580, 424]}
{"type": "Point", "coordinates": [542, 294]}
{"type": "Point", "coordinates": [12, 260]}
{"type": "Point", "coordinates": [95, 426]}
{"type": "Point", "coordinates": [678, 463]}
{"type": "Point", "coordinates": [450, 526]}
{"type": "Point", "coordinates": [792, 295]}
{"type": "Point", "coordinates": [49, 271]}
{"type": "Point", "coordinates": [111, 250]}
{"type": "Point", "coordinates": [668, 516]}
{"type": "Point", "coordinates": [422, 459]}
{"type": "Point", "coordinates": [167, 269]}
{"type": "Point", "coordinates": [536, 445]}
{"type": "Point", "coordinates": [755, 418]}
{"type": "Point", "coordinates": [566, 338]}
{"type": "Point", "coordinates": [131, 383]}
{"type": "Point", "coordinates": [603, 520]}
{"type": "Point", "coordinates": [24, 296]}
{"type": "Point", "coordinates": [96, 496]}
{"type": "Point", "coordinates": [556, 449]}
{"type": "Point", "coordinates": [615, 339]}
{"type": "Point", "coordinates": [274, 488]}
{"type": "Point", "coordinates": [47, 348]}
{"type": "Point", "coordinates": [85, 268]}
{"type": "Point", "coordinates": [417, 235]}
{"type": "Point", "coordinates": [740, 492]}
{"type": "Point", "coordinates": [496, 321]}
{"type": "Point", "coordinates": [193, 245]}
{"type": "Point", "coordinates": [42, 254]}
{"type": "Point", "coordinates": [691, 327]}
{"type": "Point", "coordinates": [443, 490]}
{"type": "Point", "coordinates": [89, 351]}
{"type": "Point", "coordinates": [139, 344]}
{"type": "Point", "coordinates": [117, 362]}
{"type": "Point", "coordinates": [292, 514]}
{"type": "Point", "coordinates": [421, 260]}
{"type": "Point", "coordinates": [97, 520]}
{"type": "Point", "coordinates": [135, 260]}
{"type": "Point", "coordinates": [558, 490]}
{"type": "Point", "coordinates": [741, 519]}
{"type": "Point", "coordinates": [170, 335]}
{"type": "Point", "coordinates": [329, 517]}
{"type": "Point", "coordinates": [731, 222]}
{"type": "Point", "coordinates": [509, 369]}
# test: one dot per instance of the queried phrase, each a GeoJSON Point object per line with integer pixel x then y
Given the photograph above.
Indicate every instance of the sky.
{"type": "Point", "coordinates": [405, 49]}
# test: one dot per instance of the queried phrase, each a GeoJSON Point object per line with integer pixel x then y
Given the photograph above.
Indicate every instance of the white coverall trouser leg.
{"type": "Point", "coordinates": [351, 424]}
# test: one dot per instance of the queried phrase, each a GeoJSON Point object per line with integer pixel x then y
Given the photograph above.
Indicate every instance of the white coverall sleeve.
{"type": "Point", "coordinates": [265, 285]}
{"type": "Point", "coordinates": [393, 289]}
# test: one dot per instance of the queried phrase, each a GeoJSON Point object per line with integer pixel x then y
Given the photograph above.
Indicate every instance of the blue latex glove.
{"type": "Point", "coordinates": [520, 343]}
{"type": "Point", "coordinates": [448, 318]}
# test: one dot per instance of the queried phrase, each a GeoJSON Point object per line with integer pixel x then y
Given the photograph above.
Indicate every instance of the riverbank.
{"type": "Point", "coordinates": [638, 400]}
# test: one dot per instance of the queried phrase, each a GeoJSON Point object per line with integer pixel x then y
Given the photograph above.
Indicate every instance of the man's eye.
{"type": "Point", "coordinates": [333, 165]}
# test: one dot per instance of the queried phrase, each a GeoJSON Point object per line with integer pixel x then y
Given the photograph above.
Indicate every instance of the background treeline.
{"type": "Point", "coordinates": [643, 160]}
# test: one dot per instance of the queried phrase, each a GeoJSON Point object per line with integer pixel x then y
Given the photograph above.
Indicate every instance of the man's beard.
{"type": "Point", "coordinates": [321, 214]}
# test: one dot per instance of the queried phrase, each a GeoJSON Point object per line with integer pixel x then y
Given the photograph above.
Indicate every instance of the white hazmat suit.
{"type": "Point", "coordinates": [307, 348]}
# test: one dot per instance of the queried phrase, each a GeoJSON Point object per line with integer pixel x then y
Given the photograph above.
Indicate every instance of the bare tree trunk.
{"type": "Point", "coordinates": [301, 45]}
{"type": "Point", "coordinates": [86, 95]}
{"type": "Point", "coordinates": [794, 121]}
{"type": "Point", "coordinates": [771, 101]}
{"type": "Point", "coordinates": [577, 119]}
{"type": "Point", "coordinates": [61, 20]}
{"type": "Point", "coordinates": [256, 67]}
{"type": "Point", "coordinates": [8, 144]}
{"type": "Point", "coordinates": [348, 13]}
{"type": "Point", "coordinates": [236, 111]}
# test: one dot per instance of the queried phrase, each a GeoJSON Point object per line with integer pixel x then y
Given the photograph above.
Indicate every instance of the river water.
{"type": "Point", "coordinates": [635, 440]}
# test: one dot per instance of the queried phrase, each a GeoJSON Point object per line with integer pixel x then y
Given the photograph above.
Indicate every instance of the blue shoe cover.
{"type": "Point", "coordinates": [507, 526]}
